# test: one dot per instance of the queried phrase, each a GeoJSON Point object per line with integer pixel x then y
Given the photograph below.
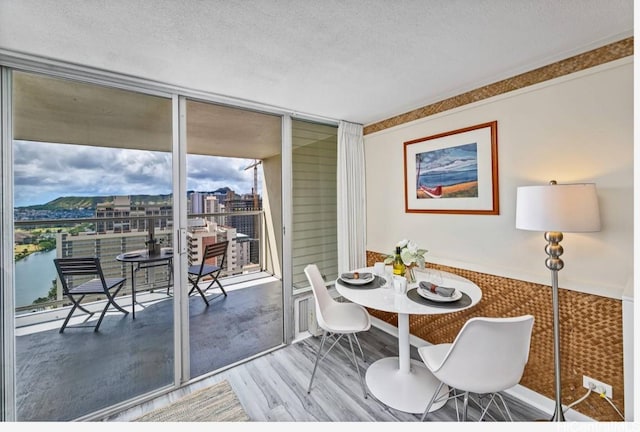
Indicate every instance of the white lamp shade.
{"type": "Point", "coordinates": [558, 207]}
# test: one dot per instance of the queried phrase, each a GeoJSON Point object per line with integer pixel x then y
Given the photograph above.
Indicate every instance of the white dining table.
{"type": "Point", "coordinates": [401, 382]}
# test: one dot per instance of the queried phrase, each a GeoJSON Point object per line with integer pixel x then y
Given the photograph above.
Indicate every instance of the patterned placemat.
{"type": "Point", "coordinates": [465, 300]}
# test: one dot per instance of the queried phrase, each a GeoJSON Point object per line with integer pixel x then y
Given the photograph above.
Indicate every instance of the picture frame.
{"type": "Point", "coordinates": [453, 172]}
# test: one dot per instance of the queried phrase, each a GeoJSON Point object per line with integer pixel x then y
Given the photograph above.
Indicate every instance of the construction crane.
{"type": "Point", "coordinates": [254, 165]}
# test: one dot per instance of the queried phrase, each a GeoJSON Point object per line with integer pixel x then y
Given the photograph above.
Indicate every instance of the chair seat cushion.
{"type": "Point", "coordinates": [94, 286]}
{"type": "Point", "coordinates": [206, 269]}
{"type": "Point", "coordinates": [433, 355]}
{"type": "Point", "coordinates": [345, 318]}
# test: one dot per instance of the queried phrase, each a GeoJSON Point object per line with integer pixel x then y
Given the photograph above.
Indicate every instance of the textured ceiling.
{"type": "Point", "coordinates": [357, 60]}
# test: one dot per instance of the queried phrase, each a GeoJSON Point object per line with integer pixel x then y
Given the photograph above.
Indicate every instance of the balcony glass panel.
{"type": "Point", "coordinates": [86, 160]}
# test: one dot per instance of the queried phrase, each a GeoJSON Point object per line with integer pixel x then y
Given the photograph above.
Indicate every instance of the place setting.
{"type": "Point", "coordinates": [363, 280]}
{"type": "Point", "coordinates": [433, 293]}
{"type": "Point", "coordinates": [134, 254]}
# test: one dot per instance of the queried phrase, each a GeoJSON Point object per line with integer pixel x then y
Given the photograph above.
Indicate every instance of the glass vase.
{"type": "Point", "coordinates": [410, 275]}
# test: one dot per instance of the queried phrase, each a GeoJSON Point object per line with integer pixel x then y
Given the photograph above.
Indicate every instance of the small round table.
{"type": "Point", "coordinates": [400, 382]}
{"type": "Point", "coordinates": [141, 259]}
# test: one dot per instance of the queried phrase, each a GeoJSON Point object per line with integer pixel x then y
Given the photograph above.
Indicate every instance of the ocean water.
{"type": "Point", "coordinates": [33, 277]}
{"type": "Point", "coordinates": [448, 178]}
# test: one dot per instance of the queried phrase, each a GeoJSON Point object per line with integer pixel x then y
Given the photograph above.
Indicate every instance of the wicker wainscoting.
{"type": "Point", "coordinates": [591, 335]}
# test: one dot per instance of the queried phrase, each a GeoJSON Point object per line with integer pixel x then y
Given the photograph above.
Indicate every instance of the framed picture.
{"type": "Point", "coordinates": [453, 172]}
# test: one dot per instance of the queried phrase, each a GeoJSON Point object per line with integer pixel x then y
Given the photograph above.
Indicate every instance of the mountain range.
{"type": "Point", "coordinates": [90, 202]}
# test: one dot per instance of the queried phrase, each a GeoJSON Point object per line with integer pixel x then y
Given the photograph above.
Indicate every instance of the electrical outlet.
{"type": "Point", "coordinates": [597, 386]}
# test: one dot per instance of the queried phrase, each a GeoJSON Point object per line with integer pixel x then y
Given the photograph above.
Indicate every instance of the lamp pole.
{"type": "Point", "coordinates": [554, 263]}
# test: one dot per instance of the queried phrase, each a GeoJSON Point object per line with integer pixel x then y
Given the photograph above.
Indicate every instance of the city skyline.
{"type": "Point", "coordinates": [100, 171]}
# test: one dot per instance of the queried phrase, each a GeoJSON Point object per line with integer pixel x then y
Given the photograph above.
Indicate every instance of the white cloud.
{"type": "Point", "coordinates": [45, 171]}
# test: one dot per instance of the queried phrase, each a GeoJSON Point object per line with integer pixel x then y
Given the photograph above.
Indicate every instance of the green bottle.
{"type": "Point", "coordinates": [398, 265]}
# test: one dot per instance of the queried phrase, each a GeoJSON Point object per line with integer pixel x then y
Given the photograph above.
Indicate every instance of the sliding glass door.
{"type": "Point", "coordinates": [144, 181]}
{"type": "Point", "coordinates": [92, 177]}
{"type": "Point", "coordinates": [233, 166]}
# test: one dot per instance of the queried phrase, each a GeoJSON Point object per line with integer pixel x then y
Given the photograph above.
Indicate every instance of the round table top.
{"type": "Point", "coordinates": [142, 255]}
{"type": "Point", "coordinates": [385, 298]}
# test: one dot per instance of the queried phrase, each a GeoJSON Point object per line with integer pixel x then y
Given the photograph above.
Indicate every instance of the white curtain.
{"type": "Point", "coordinates": [352, 223]}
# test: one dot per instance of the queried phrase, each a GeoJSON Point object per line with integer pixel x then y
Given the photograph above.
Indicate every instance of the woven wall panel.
{"type": "Point", "coordinates": [590, 334]}
{"type": "Point", "coordinates": [605, 54]}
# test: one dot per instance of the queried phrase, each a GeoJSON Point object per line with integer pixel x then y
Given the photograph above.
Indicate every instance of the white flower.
{"type": "Point", "coordinates": [412, 247]}
{"type": "Point", "coordinates": [410, 253]}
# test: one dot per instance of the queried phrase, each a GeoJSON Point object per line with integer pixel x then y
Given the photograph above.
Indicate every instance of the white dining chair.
{"type": "Point", "coordinates": [487, 356]}
{"type": "Point", "coordinates": [336, 319]}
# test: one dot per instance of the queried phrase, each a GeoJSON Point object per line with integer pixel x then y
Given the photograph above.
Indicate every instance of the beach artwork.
{"type": "Point", "coordinates": [453, 172]}
{"type": "Point", "coordinates": [448, 172]}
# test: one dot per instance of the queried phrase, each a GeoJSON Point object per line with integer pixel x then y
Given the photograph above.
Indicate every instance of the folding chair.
{"type": "Point", "coordinates": [99, 285]}
{"type": "Point", "coordinates": [199, 272]}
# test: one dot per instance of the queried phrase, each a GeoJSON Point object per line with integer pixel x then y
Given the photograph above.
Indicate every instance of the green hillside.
{"type": "Point", "coordinates": [90, 202]}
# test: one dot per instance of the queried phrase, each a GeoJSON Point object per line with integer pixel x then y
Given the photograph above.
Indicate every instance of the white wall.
{"type": "Point", "coordinates": [578, 128]}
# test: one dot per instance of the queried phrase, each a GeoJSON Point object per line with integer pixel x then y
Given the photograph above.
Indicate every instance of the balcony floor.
{"type": "Point", "coordinates": [66, 376]}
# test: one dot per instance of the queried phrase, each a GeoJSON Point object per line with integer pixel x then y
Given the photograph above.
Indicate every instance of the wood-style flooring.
{"type": "Point", "coordinates": [273, 388]}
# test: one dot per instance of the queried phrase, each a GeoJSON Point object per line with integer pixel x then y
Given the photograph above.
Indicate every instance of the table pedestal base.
{"type": "Point", "coordinates": [409, 392]}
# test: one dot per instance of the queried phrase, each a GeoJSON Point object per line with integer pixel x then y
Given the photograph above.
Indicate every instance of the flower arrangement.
{"type": "Point", "coordinates": [410, 253]}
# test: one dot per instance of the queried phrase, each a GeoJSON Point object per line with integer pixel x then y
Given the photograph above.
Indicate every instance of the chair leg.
{"type": "Point", "coordinates": [66, 320]}
{"type": "Point", "coordinates": [484, 409]}
{"type": "Point", "coordinates": [76, 305]}
{"type": "Point", "coordinates": [214, 279]}
{"type": "Point", "coordinates": [352, 357]}
{"type": "Point", "coordinates": [506, 415]}
{"type": "Point", "coordinates": [324, 337]}
{"type": "Point", "coordinates": [104, 311]}
{"type": "Point", "coordinates": [360, 348]}
{"type": "Point", "coordinates": [196, 287]}
{"type": "Point", "coordinates": [465, 405]}
{"type": "Point", "coordinates": [456, 397]}
{"type": "Point", "coordinates": [220, 285]}
{"type": "Point", "coordinates": [355, 361]}
{"type": "Point", "coordinates": [433, 398]}
{"type": "Point", "coordinates": [506, 408]}
{"type": "Point", "coordinates": [170, 280]}
{"type": "Point", "coordinates": [112, 300]}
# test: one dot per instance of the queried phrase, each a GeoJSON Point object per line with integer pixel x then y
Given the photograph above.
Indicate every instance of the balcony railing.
{"type": "Point", "coordinates": [117, 235]}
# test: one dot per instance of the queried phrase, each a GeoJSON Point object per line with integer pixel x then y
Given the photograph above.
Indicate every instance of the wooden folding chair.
{"type": "Point", "coordinates": [98, 285]}
{"type": "Point", "coordinates": [199, 272]}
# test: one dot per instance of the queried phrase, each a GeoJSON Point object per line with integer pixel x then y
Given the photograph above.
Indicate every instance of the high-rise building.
{"type": "Point", "coordinates": [201, 233]}
{"type": "Point", "coordinates": [246, 224]}
{"type": "Point", "coordinates": [196, 203]}
{"type": "Point", "coordinates": [213, 205]}
{"type": "Point", "coordinates": [133, 218]}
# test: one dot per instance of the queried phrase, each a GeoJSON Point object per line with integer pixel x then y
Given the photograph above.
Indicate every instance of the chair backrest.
{"type": "Point", "coordinates": [215, 250]}
{"type": "Point", "coordinates": [78, 266]}
{"type": "Point", "coordinates": [488, 354]}
{"type": "Point", "coordinates": [320, 293]}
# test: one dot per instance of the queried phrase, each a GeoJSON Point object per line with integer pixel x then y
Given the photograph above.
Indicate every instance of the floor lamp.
{"type": "Point", "coordinates": [554, 209]}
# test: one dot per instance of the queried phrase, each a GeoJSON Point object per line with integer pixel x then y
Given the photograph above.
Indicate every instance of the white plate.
{"type": "Point", "coordinates": [131, 255]}
{"type": "Point", "coordinates": [359, 281]}
{"type": "Point", "coordinates": [457, 295]}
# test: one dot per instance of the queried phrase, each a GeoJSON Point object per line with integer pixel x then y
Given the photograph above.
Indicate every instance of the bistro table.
{"type": "Point", "coordinates": [401, 382]}
{"type": "Point", "coordinates": [141, 259]}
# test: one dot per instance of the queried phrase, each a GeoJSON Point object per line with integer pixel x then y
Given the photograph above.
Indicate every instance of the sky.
{"type": "Point", "coordinates": [46, 171]}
